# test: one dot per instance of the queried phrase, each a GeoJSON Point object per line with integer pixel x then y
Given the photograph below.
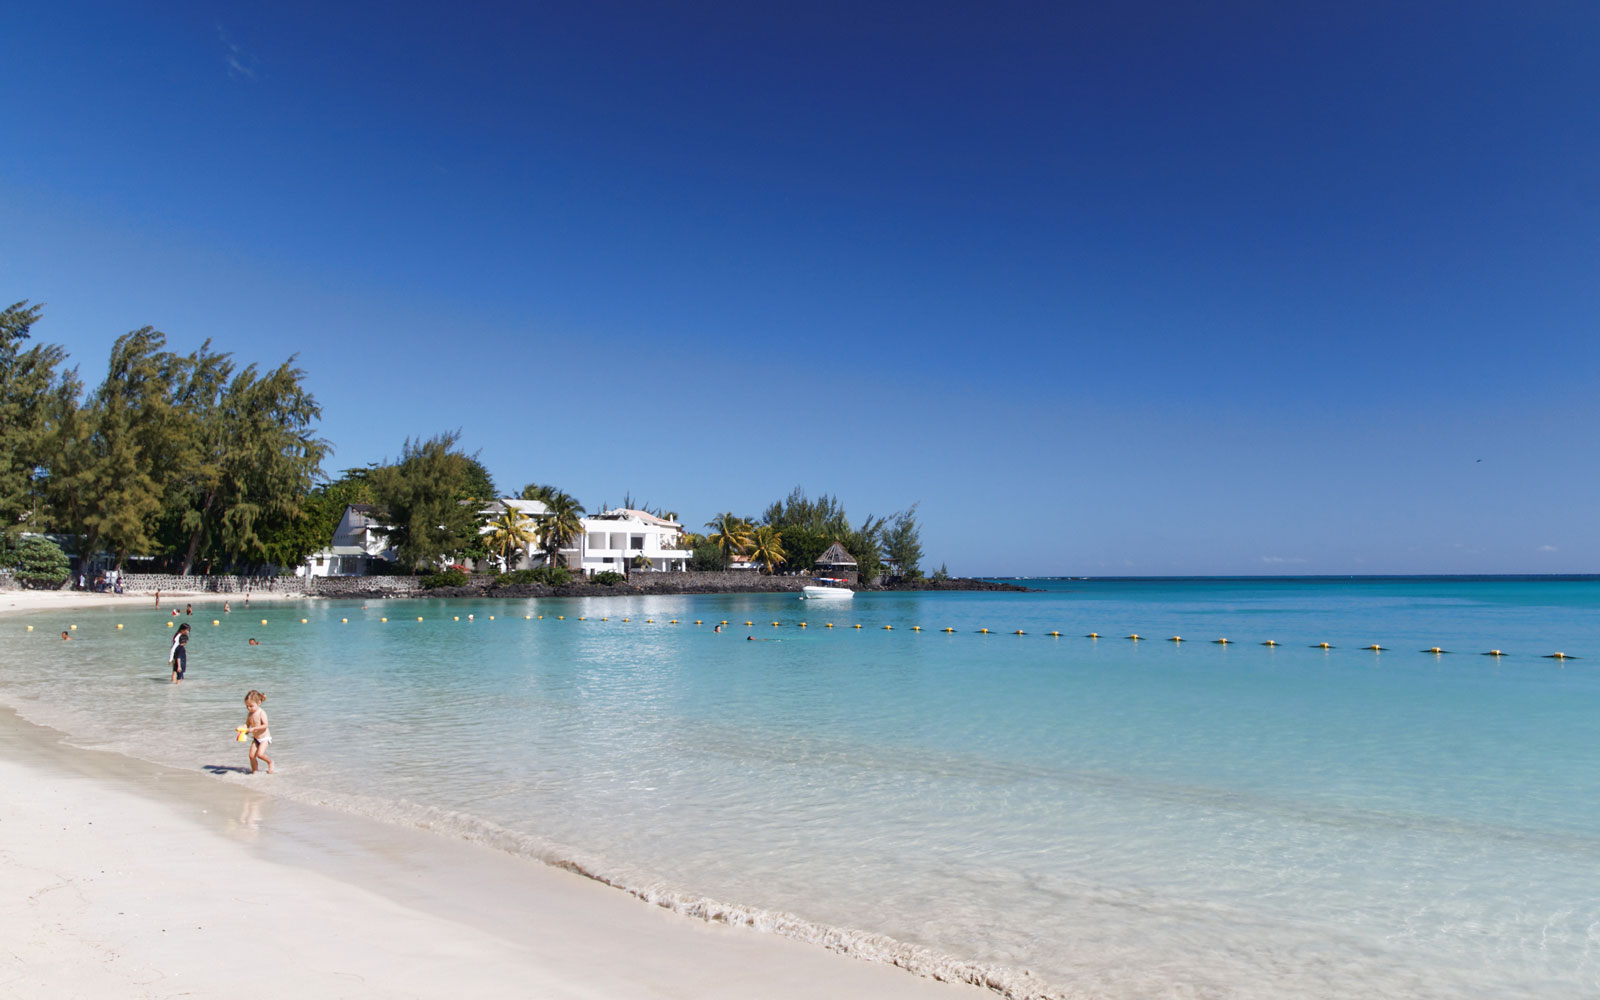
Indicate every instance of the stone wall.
{"type": "Point", "coordinates": [280, 586]}
{"type": "Point", "coordinates": [364, 586]}
{"type": "Point", "coordinates": [728, 581]}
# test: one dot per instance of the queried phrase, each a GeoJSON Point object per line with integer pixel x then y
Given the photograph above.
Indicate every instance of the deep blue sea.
{"type": "Point", "coordinates": [1121, 818]}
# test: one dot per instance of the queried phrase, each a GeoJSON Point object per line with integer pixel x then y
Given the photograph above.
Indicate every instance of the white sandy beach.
{"type": "Point", "coordinates": [128, 879]}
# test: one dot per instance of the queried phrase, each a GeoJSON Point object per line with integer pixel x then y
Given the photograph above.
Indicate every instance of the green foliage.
{"type": "Point", "coordinates": [448, 578]}
{"type": "Point", "coordinates": [803, 545]}
{"type": "Point", "coordinates": [707, 557]}
{"type": "Point", "coordinates": [731, 535]}
{"type": "Point", "coordinates": [865, 545]}
{"type": "Point", "coordinates": [420, 496]}
{"type": "Point", "coordinates": [941, 573]}
{"type": "Point", "coordinates": [902, 542]}
{"type": "Point", "coordinates": [551, 576]}
{"type": "Point", "coordinates": [766, 547]}
{"type": "Point", "coordinates": [34, 390]}
{"type": "Point", "coordinates": [510, 536]}
{"type": "Point", "coordinates": [608, 578]}
{"type": "Point", "coordinates": [561, 525]}
{"type": "Point", "coordinates": [824, 515]}
{"type": "Point", "coordinates": [39, 562]}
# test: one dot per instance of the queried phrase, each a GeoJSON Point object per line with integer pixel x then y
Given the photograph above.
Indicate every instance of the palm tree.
{"type": "Point", "coordinates": [730, 533]}
{"type": "Point", "coordinates": [766, 547]}
{"type": "Point", "coordinates": [511, 534]}
{"type": "Point", "coordinates": [562, 524]}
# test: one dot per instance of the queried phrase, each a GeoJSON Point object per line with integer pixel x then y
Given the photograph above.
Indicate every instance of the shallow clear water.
{"type": "Point", "coordinates": [1124, 819]}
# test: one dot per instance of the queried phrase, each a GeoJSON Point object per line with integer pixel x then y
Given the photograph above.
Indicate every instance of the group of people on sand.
{"type": "Point", "coordinates": [255, 719]}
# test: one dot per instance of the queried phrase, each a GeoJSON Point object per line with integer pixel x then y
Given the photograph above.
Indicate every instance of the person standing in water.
{"type": "Point", "coordinates": [178, 656]}
{"type": "Point", "coordinates": [255, 721]}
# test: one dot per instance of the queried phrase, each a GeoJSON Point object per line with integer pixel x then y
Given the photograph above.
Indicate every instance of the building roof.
{"type": "Point", "coordinates": [528, 508]}
{"type": "Point", "coordinates": [636, 515]}
{"type": "Point", "coordinates": [835, 556]}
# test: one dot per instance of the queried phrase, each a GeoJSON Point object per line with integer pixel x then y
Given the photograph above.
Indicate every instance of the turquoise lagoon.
{"type": "Point", "coordinates": [1122, 819]}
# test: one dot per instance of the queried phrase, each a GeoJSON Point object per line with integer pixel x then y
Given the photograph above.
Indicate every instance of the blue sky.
{"type": "Point", "coordinates": [1108, 288]}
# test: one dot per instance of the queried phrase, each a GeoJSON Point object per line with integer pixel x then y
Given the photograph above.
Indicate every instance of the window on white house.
{"type": "Point", "coordinates": [636, 542]}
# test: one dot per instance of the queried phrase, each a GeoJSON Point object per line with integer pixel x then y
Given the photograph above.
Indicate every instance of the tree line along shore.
{"type": "Point", "coordinates": [196, 463]}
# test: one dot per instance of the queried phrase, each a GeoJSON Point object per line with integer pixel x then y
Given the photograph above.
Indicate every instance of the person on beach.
{"type": "Point", "coordinates": [255, 720]}
{"type": "Point", "coordinates": [158, 597]}
{"type": "Point", "coordinates": [178, 656]}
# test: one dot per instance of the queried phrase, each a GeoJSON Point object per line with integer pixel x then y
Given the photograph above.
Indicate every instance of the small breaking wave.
{"type": "Point", "coordinates": [1011, 983]}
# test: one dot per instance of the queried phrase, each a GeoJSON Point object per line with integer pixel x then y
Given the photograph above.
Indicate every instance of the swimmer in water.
{"type": "Point", "coordinates": [717, 629]}
{"type": "Point", "coordinates": [254, 642]}
{"type": "Point", "coordinates": [65, 637]}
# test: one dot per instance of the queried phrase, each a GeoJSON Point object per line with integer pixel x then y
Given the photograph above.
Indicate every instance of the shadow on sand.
{"type": "Point", "coordinates": [224, 769]}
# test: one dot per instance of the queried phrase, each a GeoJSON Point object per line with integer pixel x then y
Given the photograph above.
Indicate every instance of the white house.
{"type": "Point", "coordinates": [357, 542]}
{"type": "Point", "coordinates": [533, 510]}
{"type": "Point", "coordinates": [615, 539]}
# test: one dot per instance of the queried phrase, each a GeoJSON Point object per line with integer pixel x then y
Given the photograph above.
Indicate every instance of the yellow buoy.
{"type": "Point", "coordinates": [947, 629]}
{"type": "Point", "coordinates": [698, 622]}
{"type": "Point", "coordinates": [1092, 635]}
{"type": "Point", "coordinates": [263, 621]}
{"type": "Point", "coordinates": [169, 624]}
{"type": "Point", "coordinates": [1221, 642]}
{"type": "Point", "coordinates": [647, 621]}
{"type": "Point", "coordinates": [774, 624]}
{"type": "Point", "coordinates": [829, 625]}
{"type": "Point", "coordinates": [344, 621]}
{"type": "Point", "coordinates": [749, 623]}
{"type": "Point", "coordinates": [383, 619]}
{"type": "Point", "coordinates": [561, 618]}
{"type": "Point", "coordinates": [1560, 656]}
{"type": "Point", "coordinates": [1376, 648]}
{"type": "Point", "coordinates": [1176, 638]}
{"type": "Point", "coordinates": [419, 618]}
{"type": "Point", "coordinates": [1055, 635]}
{"type": "Point", "coordinates": [456, 618]}
{"type": "Point", "coordinates": [888, 628]}
{"type": "Point", "coordinates": [73, 627]}
{"type": "Point", "coordinates": [582, 618]}
{"type": "Point", "coordinates": [491, 617]}
{"type": "Point", "coordinates": [541, 617]}
{"type": "Point", "coordinates": [1269, 642]}
{"type": "Point", "coordinates": [527, 618]}
{"type": "Point", "coordinates": [1435, 649]}
{"type": "Point", "coordinates": [30, 627]}
{"type": "Point", "coordinates": [724, 621]}
{"type": "Point", "coordinates": [1323, 645]}
{"type": "Point", "coordinates": [1494, 652]}
{"type": "Point", "coordinates": [673, 622]}
{"type": "Point", "coordinates": [1135, 637]}
{"type": "Point", "coordinates": [607, 619]}
{"type": "Point", "coordinates": [855, 626]}
{"type": "Point", "coordinates": [802, 624]}
{"type": "Point", "coordinates": [916, 628]}
{"type": "Point", "coordinates": [1019, 632]}
{"type": "Point", "coordinates": [302, 621]}
{"type": "Point", "coordinates": [119, 626]}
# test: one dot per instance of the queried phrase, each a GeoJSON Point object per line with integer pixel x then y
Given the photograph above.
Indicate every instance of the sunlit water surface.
{"type": "Point", "coordinates": [1124, 819]}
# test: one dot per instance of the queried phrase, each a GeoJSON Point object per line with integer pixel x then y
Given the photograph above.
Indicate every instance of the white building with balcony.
{"type": "Point", "coordinates": [624, 541]}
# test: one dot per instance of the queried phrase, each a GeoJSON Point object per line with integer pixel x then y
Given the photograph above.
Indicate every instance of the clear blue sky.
{"type": "Point", "coordinates": [1143, 288]}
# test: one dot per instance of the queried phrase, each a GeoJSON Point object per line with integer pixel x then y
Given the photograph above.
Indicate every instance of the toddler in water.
{"type": "Point", "coordinates": [255, 721]}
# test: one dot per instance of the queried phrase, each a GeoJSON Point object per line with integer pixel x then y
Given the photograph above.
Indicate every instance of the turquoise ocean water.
{"type": "Point", "coordinates": [1122, 819]}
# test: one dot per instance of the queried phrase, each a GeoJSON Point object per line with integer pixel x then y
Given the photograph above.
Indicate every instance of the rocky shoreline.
{"type": "Point", "coordinates": [666, 586]}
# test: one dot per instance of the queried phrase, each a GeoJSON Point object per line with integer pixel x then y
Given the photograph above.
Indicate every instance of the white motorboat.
{"type": "Point", "coordinates": [825, 589]}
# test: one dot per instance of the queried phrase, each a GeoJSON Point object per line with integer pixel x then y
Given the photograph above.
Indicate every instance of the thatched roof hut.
{"type": "Point", "coordinates": [836, 558]}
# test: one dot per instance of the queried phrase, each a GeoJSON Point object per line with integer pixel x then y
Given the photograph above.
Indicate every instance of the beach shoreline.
{"type": "Point", "coordinates": [136, 879]}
